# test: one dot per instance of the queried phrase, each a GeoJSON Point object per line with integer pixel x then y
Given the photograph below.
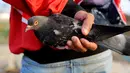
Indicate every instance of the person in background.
{"type": "Point", "coordinates": [82, 57]}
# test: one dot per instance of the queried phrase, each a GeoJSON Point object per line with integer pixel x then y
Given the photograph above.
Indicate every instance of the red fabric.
{"type": "Point", "coordinates": [45, 7]}
{"type": "Point", "coordinates": [117, 3]}
{"type": "Point", "coordinates": [77, 1]}
{"type": "Point", "coordinates": [20, 40]}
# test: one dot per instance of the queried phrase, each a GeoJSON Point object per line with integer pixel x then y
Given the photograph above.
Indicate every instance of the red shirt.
{"type": "Point", "coordinates": [21, 10]}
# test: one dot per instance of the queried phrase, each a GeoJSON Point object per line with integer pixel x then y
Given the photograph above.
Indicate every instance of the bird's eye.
{"type": "Point", "coordinates": [36, 22]}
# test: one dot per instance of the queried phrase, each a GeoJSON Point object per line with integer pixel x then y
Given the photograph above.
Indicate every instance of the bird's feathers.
{"type": "Point", "coordinates": [56, 29]}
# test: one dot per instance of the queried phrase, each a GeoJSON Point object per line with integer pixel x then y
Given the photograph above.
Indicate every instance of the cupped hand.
{"type": "Point", "coordinates": [81, 44]}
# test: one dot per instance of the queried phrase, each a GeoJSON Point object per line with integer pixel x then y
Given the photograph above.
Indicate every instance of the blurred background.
{"type": "Point", "coordinates": [10, 63]}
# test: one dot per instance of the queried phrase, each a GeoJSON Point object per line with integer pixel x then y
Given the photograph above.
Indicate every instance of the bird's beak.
{"type": "Point", "coordinates": [28, 28]}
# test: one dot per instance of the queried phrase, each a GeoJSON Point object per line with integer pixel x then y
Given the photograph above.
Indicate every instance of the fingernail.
{"type": "Point", "coordinates": [66, 47]}
{"type": "Point", "coordinates": [84, 51]}
{"type": "Point", "coordinates": [85, 31]}
{"type": "Point", "coordinates": [74, 38]}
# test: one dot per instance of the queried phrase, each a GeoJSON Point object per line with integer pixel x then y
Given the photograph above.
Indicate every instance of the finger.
{"type": "Point", "coordinates": [71, 46]}
{"type": "Point", "coordinates": [87, 24]}
{"type": "Point", "coordinates": [77, 44]}
{"type": "Point", "coordinates": [80, 15]}
{"type": "Point", "coordinates": [89, 45]}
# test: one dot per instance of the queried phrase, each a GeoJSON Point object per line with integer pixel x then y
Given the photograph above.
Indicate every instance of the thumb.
{"type": "Point", "coordinates": [87, 24]}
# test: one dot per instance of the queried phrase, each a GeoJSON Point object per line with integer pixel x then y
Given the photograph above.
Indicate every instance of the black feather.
{"type": "Point", "coordinates": [59, 28]}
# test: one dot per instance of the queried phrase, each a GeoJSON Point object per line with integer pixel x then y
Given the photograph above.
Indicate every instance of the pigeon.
{"type": "Point", "coordinates": [56, 29]}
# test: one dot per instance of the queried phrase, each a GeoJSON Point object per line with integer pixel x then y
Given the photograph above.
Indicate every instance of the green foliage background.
{"type": "Point", "coordinates": [4, 29]}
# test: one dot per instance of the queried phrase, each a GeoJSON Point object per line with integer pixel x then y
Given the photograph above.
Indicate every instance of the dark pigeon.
{"type": "Point", "coordinates": [56, 29]}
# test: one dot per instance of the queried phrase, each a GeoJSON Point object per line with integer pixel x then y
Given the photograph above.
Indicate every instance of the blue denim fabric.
{"type": "Point", "coordinates": [100, 63]}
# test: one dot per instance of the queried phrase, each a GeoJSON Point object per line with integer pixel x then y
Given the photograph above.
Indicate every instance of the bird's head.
{"type": "Point", "coordinates": [36, 22]}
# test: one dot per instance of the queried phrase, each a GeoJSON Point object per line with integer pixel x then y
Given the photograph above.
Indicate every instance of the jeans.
{"type": "Point", "coordinates": [99, 63]}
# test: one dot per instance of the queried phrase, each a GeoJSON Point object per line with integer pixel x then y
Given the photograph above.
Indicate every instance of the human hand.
{"type": "Point", "coordinates": [81, 44]}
